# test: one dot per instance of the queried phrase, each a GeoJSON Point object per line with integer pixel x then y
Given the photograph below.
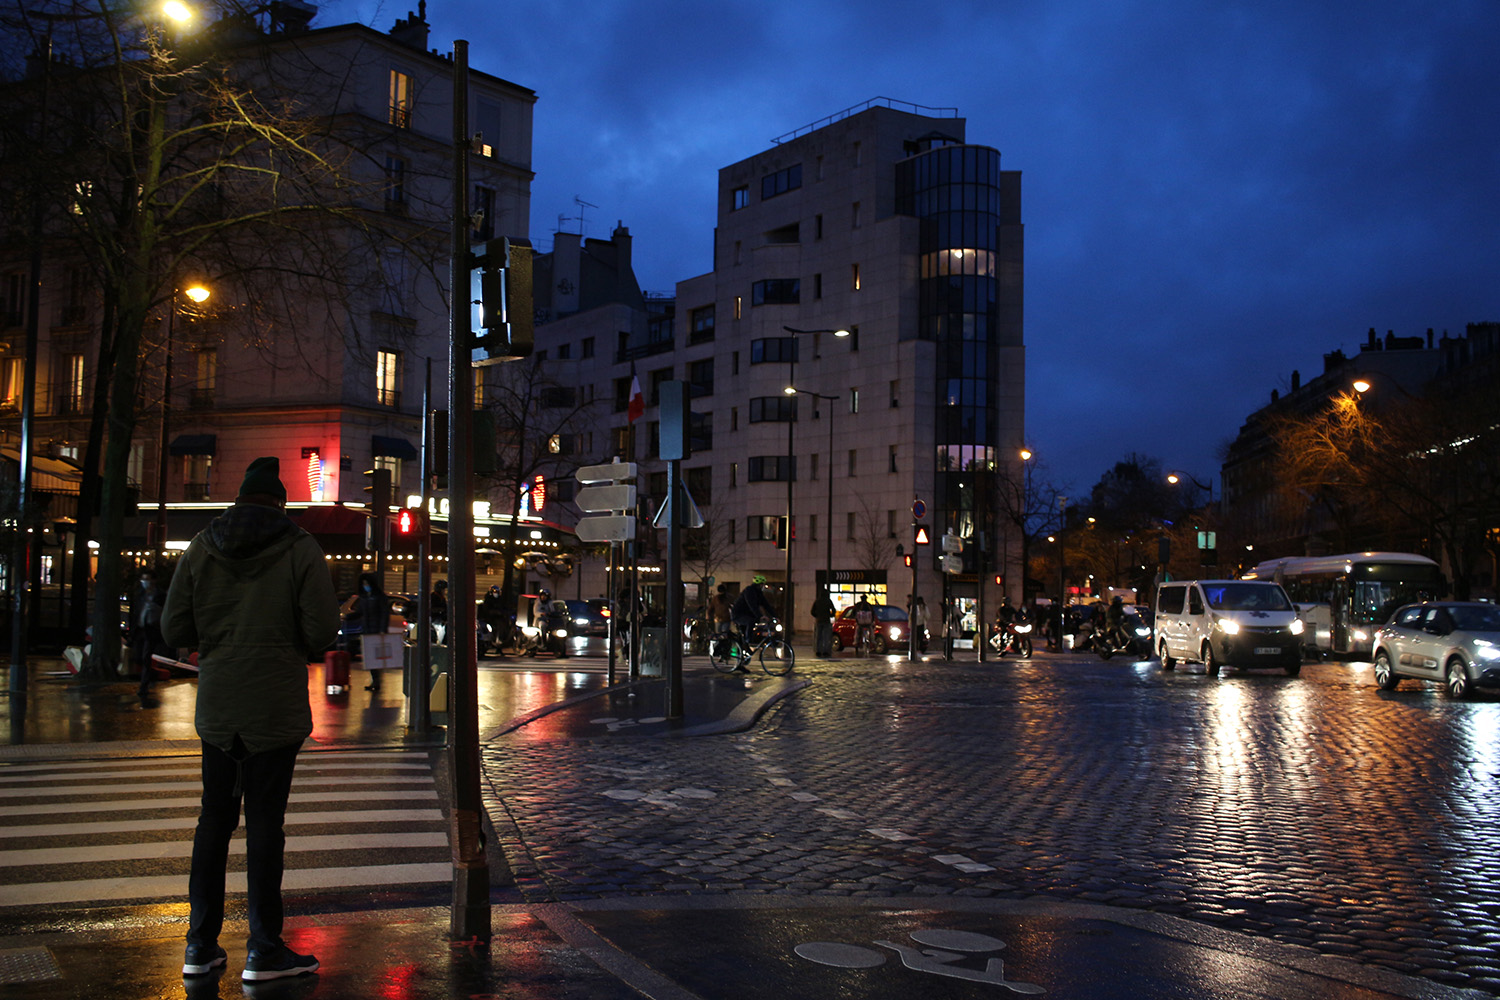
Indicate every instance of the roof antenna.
{"type": "Point", "coordinates": [581, 206]}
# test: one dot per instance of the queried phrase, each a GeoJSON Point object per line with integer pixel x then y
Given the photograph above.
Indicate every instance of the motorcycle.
{"type": "Point", "coordinates": [1013, 636]}
{"type": "Point", "coordinates": [1132, 636]}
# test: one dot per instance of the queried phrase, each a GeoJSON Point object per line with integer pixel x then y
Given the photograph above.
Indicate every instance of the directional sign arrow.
{"type": "Point", "coordinates": [612, 472]}
{"type": "Point", "coordinates": [606, 528]}
{"type": "Point", "coordinates": [596, 498]}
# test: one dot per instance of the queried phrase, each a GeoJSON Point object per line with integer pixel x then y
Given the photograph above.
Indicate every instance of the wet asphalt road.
{"type": "Point", "coordinates": [1313, 811]}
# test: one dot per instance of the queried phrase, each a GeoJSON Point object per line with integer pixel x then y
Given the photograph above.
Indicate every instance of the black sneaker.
{"type": "Point", "coordinates": [201, 959]}
{"type": "Point", "coordinates": [277, 964]}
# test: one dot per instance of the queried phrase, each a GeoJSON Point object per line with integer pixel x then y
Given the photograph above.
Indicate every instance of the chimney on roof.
{"type": "Point", "coordinates": [1296, 380]}
{"type": "Point", "coordinates": [1373, 342]}
{"type": "Point", "coordinates": [412, 32]}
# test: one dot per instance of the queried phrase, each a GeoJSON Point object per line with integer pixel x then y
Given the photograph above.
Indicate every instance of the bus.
{"type": "Point", "coordinates": [1343, 599]}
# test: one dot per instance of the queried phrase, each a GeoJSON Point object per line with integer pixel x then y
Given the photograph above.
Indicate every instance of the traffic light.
{"type": "Point", "coordinates": [377, 527]}
{"type": "Point", "coordinates": [999, 579]}
{"type": "Point", "coordinates": [408, 528]}
{"type": "Point", "coordinates": [500, 301]}
{"type": "Point", "coordinates": [906, 560]}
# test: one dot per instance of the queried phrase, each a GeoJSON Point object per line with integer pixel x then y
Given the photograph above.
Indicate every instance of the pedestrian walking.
{"type": "Point", "coordinates": [822, 616]}
{"type": "Point", "coordinates": [253, 595]}
{"type": "Point", "coordinates": [145, 630]}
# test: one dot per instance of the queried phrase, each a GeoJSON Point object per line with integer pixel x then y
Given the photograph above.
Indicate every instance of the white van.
{"type": "Point", "coordinates": [1228, 623]}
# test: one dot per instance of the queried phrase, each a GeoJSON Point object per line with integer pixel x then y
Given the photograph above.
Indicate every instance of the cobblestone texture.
{"type": "Point", "coordinates": [1315, 810]}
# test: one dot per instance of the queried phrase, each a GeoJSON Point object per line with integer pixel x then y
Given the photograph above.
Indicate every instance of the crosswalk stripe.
{"type": "Point", "coordinates": [156, 850]}
{"type": "Point", "coordinates": [191, 822]}
{"type": "Point", "coordinates": [302, 771]}
{"type": "Point", "coordinates": [154, 804]}
{"type": "Point", "coordinates": [305, 759]}
{"type": "Point", "coordinates": [175, 886]}
{"type": "Point", "coordinates": [188, 786]}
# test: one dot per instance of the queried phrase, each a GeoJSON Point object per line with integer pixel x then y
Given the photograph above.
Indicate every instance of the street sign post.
{"type": "Point", "coordinates": [610, 503]}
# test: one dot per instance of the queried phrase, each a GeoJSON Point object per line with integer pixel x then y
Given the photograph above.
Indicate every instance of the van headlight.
{"type": "Point", "coordinates": [1297, 626]}
{"type": "Point", "coordinates": [1229, 626]}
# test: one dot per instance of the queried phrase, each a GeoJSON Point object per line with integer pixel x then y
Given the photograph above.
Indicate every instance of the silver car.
{"type": "Point", "coordinates": [1456, 642]}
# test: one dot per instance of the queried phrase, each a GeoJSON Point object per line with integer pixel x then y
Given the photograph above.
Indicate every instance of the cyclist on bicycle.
{"type": "Point", "coordinates": [750, 607]}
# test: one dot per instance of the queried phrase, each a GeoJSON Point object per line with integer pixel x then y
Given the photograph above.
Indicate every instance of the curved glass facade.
{"type": "Point", "coordinates": [954, 190]}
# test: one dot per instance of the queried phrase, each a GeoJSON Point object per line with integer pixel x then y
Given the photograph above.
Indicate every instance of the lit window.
{"type": "Point", "coordinates": [854, 277]}
{"type": "Point", "coordinates": [388, 378]}
{"type": "Point", "coordinates": [206, 377]}
{"type": "Point", "coordinates": [14, 375]}
{"type": "Point", "coordinates": [73, 387]}
{"type": "Point", "coordinates": [400, 99]}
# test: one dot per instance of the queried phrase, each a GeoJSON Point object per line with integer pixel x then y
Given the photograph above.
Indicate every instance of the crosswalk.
{"type": "Point", "coordinates": [121, 831]}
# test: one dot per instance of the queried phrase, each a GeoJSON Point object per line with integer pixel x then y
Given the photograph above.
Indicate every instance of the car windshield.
{"type": "Point", "coordinates": [1476, 617]}
{"type": "Point", "coordinates": [1245, 597]}
{"type": "Point", "coordinates": [887, 613]}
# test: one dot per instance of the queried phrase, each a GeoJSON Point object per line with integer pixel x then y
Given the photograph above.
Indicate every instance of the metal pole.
{"type": "Point", "coordinates": [471, 869]}
{"type": "Point", "coordinates": [673, 665]}
{"type": "Point", "coordinates": [161, 458]}
{"type": "Point", "coordinates": [791, 459]}
{"type": "Point", "coordinates": [20, 562]}
{"type": "Point", "coordinates": [419, 678]}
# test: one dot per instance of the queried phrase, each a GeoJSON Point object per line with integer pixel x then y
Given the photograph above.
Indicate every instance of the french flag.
{"type": "Point", "coordinates": [637, 405]}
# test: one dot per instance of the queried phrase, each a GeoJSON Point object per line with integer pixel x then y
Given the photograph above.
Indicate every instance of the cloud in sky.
{"type": "Point", "coordinates": [1214, 194]}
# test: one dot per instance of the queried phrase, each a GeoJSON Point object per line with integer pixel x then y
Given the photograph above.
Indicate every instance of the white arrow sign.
{"type": "Point", "coordinates": [607, 528]}
{"type": "Point", "coordinates": [610, 473]}
{"type": "Point", "coordinates": [597, 498]}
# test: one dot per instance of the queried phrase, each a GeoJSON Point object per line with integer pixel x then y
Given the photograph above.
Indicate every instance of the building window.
{"type": "Point", "coordinates": [478, 389]}
{"type": "Point", "coordinates": [12, 294]}
{"type": "Point", "coordinates": [853, 454]}
{"type": "Point", "coordinates": [782, 181]}
{"type": "Point", "coordinates": [558, 397]}
{"type": "Point", "coordinates": [206, 377]}
{"type": "Point", "coordinates": [700, 485]}
{"type": "Point", "coordinates": [14, 382]}
{"type": "Point", "coordinates": [776, 292]}
{"type": "Point", "coordinates": [762, 528]}
{"type": "Point", "coordinates": [890, 524]}
{"type": "Point", "coordinates": [653, 440]}
{"type": "Point", "coordinates": [622, 394]}
{"type": "Point", "coordinates": [739, 307]}
{"type": "Point", "coordinates": [700, 431]}
{"type": "Point", "coordinates": [392, 464]}
{"type": "Point", "coordinates": [773, 409]}
{"type": "Point", "coordinates": [895, 393]}
{"type": "Point", "coordinates": [818, 286]}
{"type": "Point", "coordinates": [734, 418]}
{"type": "Point", "coordinates": [734, 363]}
{"type": "Point", "coordinates": [854, 277]}
{"type": "Point", "coordinates": [772, 468]}
{"type": "Point", "coordinates": [856, 215]}
{"type": "Point", "coordinates": [773, 350]}
{"type": "Point", "coordinates": [562, 444]}
{"type": "Point", "coordinates": [702, 325]}
{"type": "Point", "coordinates": [658, 376]}
{"type": "Point", "coordinates": [395, 183]}
{"type": "Point", "coordinates": [812, 528]}
{"type": "Point", "coordinates": [621, 441]}
{"type": "Point", "coordinates": [814, 469]}
{"type": "Point", "coordinates": [564, 352]}
{"type": "Point", "coordinates": [588, 348]}
{"type": "Point", "coordinates": [700, 378]}
{"type": "Point", "coordinates": [734, 473]}
{"type": "Point", "coordinates": [73, 388]}
{"type": "Point", "coordinates": [400, 99]}
{"type": "Point", "coordinates": [859, 154]}
{"type": "Point", "coordinates": [739, 198]}
{"type": "Point", "coordinates": [483, 208]}
{"type": "Point", "coordinates": [388, 378]}
{"type": "Point", "coordinates": [892, 457]}
{"type": "Point", "coordinates": [197, 477]}
{"type": "Point", "coordinates": [818, 226]}
{"type": "Point", "coordinates": [75, 297]}
{"type": "Point", "coordinates": [853, 400]}
{"type": "Point", "coordinates": [849, 526]}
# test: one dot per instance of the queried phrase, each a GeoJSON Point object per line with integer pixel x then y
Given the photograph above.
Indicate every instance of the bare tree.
{"type": "Point", "coordinates": [873, 539]}
{"type": "Point", "coordinates": [708, 549]}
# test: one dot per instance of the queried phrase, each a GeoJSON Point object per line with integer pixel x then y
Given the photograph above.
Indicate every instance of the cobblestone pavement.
{"type": "Point", "coordinates": [1315, 811]}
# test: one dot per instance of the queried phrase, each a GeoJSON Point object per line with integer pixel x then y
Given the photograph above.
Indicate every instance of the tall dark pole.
{"type": "Point", "coordinates": [161, 454]}
{"type": "Point", "coordinates": [20, 561]}
{"type": "Point", "coordinates": [828, 528]}
{"type": "Point", "coordinates": [419, 676]}
{"type": "Point", "coordinates": [471, 869]}
{"type": "Point", "coordinates": [791, 461]}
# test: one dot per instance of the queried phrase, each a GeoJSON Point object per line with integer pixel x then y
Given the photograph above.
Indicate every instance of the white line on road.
{"type": "Point", "coordinates": [191, 822]}
{"type": "Point", "coordinates": [153, 850]}
{"type": "Point", "coordinates": [156, 805]}
{"type": "Point", "coordinates": [190, 786]}
{"type": "Point", "coordinates": [175, 886]}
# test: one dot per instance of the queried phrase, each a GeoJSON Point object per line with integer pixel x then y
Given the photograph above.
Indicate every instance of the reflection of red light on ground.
{"type": "Point", "coordinates": [328, 710]}
{"type": "Point", "coordinates": [397, 984]}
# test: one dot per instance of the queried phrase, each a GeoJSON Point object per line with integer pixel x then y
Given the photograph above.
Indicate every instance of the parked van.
{"type": "Point", "coordinates": [1228, 623]}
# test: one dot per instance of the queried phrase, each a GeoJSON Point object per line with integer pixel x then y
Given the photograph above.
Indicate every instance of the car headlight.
{"type": "Point", "coordinates": [1361, 635]}
{"type": "Point", "coordinates": [895, 631]}
{"type": "Point", "coordinates": [580, 621]}
{"type": "Point", "coordinates": [561, 633]}
{"type": "Point", "coordinates": [530, 631]}
{"type": "Point", "coordinates": [1486, 650]}
{"type": "Point", "coordinates": [1297, 626]}
{"type": "Point", "coordinates": [1229, 626]}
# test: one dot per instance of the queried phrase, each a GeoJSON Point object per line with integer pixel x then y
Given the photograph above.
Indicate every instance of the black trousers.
{"type": "Point", "coordinates": [263, 781]}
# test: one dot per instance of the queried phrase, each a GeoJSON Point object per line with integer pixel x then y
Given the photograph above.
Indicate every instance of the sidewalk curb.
{"type": "Point", "coordinates": [743, 717]}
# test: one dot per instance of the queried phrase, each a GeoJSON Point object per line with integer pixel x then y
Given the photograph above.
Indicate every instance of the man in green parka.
{"type": "Point", "coordinates": [253, 595]}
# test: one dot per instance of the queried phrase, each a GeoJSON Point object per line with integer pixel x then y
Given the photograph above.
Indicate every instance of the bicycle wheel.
{"type": "Point", "coordinates": [723, 654]}
{"type": "Point", "coordinates": [777, 657]}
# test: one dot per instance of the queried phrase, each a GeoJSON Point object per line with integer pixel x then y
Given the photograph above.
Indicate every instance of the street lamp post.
{"type": "Point", "coordinates": [1176, 477]}
{"type": "Point", "coordinates": [199, 294]}
{"type": "Point", "coordinates": [791, 458]}
{"type": "Point", "coordinates": [828, 528]}
{"type": "Point", "coordinates": [1026, 455]}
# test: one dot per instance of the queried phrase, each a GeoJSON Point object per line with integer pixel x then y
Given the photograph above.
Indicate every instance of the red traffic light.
{"type": "Point", "coordinates": [906, 560]}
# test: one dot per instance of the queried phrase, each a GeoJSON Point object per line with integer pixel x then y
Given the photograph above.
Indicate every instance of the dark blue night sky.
{"type": "Point", "coordinates": [1215, 193]}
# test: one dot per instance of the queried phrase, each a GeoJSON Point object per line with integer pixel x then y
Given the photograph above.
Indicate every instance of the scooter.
{"type": "Point", "coordinates": [1110, 641]}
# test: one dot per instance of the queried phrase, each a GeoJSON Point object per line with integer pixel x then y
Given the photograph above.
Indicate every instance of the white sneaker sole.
{"type": "Point", "coordinates": [260, 975]}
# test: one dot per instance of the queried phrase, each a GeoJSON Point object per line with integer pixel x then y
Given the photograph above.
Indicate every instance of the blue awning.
{"type": "Point", "coordinates": [392, 448]}
{"type": "Point", "coordinates": [194, 444]}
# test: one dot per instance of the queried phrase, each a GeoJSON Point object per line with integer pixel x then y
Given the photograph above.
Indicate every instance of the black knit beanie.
{"type": "Point", "coordinates": [263, 479]}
